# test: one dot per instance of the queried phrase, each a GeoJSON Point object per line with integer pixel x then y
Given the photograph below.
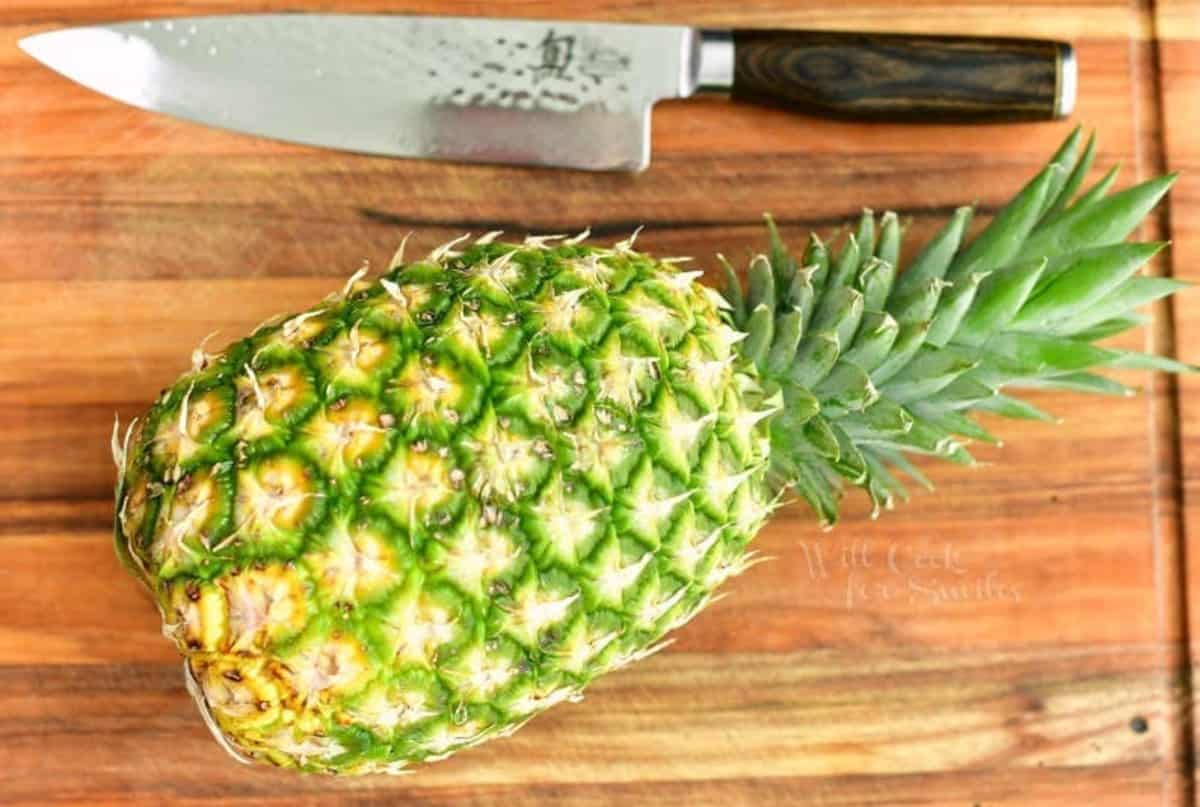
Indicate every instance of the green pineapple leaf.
{"type": "Point", "coordinates": [898, 361]}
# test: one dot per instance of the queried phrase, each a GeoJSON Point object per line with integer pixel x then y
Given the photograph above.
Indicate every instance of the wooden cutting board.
{"type": "Point", "coordinates": [1018, 637]}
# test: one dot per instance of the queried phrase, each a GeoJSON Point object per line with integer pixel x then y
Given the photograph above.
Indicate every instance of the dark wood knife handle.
{"type": "Point", "coordinates": [905, 77]}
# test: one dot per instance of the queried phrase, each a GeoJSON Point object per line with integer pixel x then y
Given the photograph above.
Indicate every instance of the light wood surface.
{"type": "Point", "coordinates": [1019, 637]}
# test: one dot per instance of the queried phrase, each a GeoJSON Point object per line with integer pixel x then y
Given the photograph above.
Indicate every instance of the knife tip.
{"type": "Point", "coordinates": [33, 45]}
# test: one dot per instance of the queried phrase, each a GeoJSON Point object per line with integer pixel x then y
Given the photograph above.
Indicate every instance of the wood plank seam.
{"type": "Point", "coordinates": [1169, 532]}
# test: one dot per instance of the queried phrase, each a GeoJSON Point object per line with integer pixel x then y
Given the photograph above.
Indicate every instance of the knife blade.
{"type": "Point", "coordinates": [567, 94]}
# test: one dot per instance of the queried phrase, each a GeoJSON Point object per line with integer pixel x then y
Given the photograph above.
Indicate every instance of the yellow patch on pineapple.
{"type": "Point", "coordinates": [180, 436]}
{"type": "Point", "coordinates": [273, 496]}
{"type": "Point", "coordinates": [414, 483]}
{"type": "Point", "coordinates": [560, 311]}
{"type": "Point", "coordinates": [299, 330]}
{"type": "Point", "coordinates": [194, 616]}
{"type": "Point", "coordinates": [241, 693]}
{"type": "Point", "coordinates": [266, 398]}
{"type": "Point", "coordinates": [265, 604]}
{"type": "Point", "coordinates": [480, 331]}
{"type": "Point", "coordinates": [343, 436]}
{"type": "Point", "coordinates": [355, 355]}
{"type": "Point", "coordinates": [291, 744]}
{"type": "Point", "coordinates": [402, 300]}
{"type": "Point", "coordinates": [356, 564]}
{"type": "Point", "coordinates": [429, 389]}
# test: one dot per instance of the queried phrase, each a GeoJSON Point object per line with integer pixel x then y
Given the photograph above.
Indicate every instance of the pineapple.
{"type": "Point", "coordinates": [411, 518]}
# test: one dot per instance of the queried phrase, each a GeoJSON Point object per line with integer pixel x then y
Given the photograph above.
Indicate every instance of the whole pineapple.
{"type": "Point", "coordinates": [409, 519]}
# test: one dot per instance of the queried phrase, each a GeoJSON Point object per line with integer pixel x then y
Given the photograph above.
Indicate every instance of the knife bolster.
{"type": "Point", "coordinates": [713, 61]}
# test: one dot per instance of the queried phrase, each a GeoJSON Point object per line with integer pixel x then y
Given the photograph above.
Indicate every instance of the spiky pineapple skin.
{"type": "Point", "coordinates": [411, 518]}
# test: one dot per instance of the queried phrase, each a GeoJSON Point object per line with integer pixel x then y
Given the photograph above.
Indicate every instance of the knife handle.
{"type": "Point", "coordinates": [905, 77]}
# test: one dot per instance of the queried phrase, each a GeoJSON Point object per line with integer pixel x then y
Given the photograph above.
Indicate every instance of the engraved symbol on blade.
{"type": "Point", "coordinates": [557, 53]}
{"type": "Point", "coordinates": [603, 63]}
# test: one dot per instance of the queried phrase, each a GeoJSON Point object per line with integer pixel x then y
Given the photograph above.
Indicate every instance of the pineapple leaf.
{"type": "Point", "coordinates": [885, 361]}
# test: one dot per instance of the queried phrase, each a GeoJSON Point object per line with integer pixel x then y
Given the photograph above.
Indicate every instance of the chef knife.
{"type": "Point", "coordinates": [572, 94]}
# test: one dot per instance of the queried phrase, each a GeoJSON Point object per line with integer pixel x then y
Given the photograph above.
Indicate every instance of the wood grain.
{"type": "Point", "coordinates": [901, 76]}
{"type": "Point", "coordinates": [1177, 23]}
{"type": "Point", "coordinates": [1027, 646]}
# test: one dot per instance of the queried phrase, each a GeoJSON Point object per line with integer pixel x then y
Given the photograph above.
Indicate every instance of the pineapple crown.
{"type": "Point", "coordinates": [873, 363]}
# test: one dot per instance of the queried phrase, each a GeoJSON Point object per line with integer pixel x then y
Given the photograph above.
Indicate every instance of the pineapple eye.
{"type": "Point", "coordinates": [357, 359]}
{"type": "Point", "coordinates": [626, 371]}
{"type": "Point", "coordinates": [674, 430]}
{"type": "Point", "coordinates": [133, 510]}
{"type": "Point", "coordinates": [185, 432]}
{"type": "Point", "coordinates": [194, 615]}
{"type": "Point", "coordinates": [386, 708]}
{"type": "Point", "coordinates": [649, 504]}
{"type": "Point", "coordinates": [276, 498]}
{"type": "Point", "coordinates": [653, 316]}
{"type": "Point", "coordinates": [417, 485]}
{"type": "Point", "coordinates": [569, 319]}
{"type": "Point", "coordinates": [548, 388]}
{"type": "Point", "coordinates": [193, 516]}
{"type": "Point", "coordinates": [509, 459]}
{"type": "Point", "coordinates": [265, 603]}
{"type": "Point", "coordinates": [420, 627]}
{"type": "Point", "coordinates": [206, 413]}
{"type": "Point", "coordinates": [354, 563]}
{"type": "Point", "coordinates": [480, 671]}
{"type": "Point", "coordinates": [433, 395]}
{"type": "Point", "coordinates": [534, 609]}
{"type": "Point", "coordinates": [270, 399]}
{"type": "Point", "coordinates": [241, 693]}
{"type": "Point", "coordinates": [346, 437]}
{"type": "Point", "coordinates": [564, 520]}
{"type": "Point", "coordinates": [481, 333]}
{"type": "Point", "coordinates": [321, 670]}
